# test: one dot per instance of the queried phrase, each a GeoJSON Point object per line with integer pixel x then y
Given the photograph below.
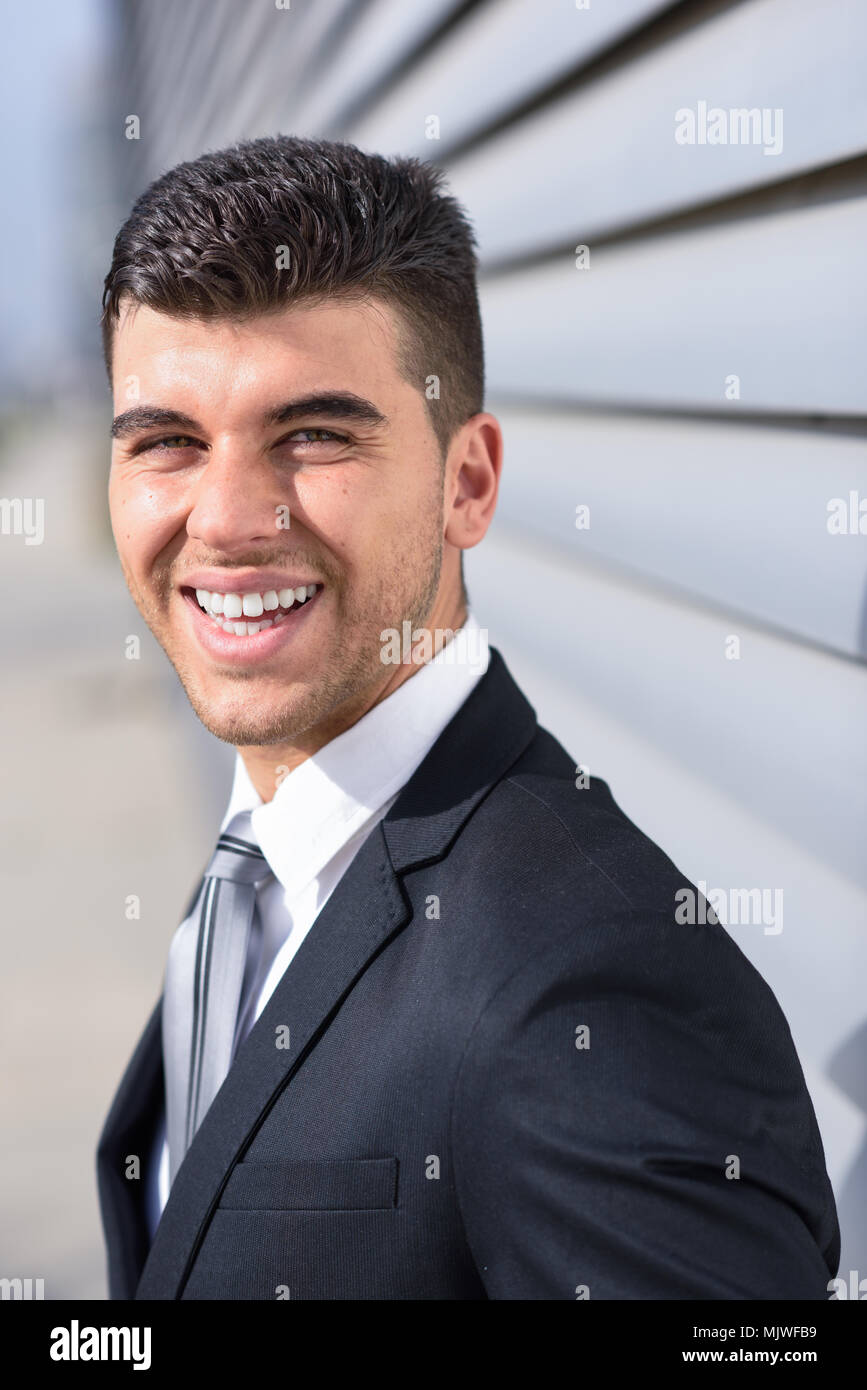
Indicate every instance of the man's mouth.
{"type": "Point", "coordinates": [245, 615]}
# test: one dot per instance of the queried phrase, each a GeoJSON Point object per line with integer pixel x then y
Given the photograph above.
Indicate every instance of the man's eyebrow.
{"type": "Point", "coordinates": [145, 417]}
{"type": "Point", "coordinates": [341, 405]}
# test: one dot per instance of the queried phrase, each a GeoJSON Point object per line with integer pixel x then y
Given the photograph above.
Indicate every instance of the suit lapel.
{"type": "Point", "coordinates": [366, 909]}
{"type": "Point", "coordinates": [129, 1129]}
{"type": "Point", "coordinates": [474, 751]}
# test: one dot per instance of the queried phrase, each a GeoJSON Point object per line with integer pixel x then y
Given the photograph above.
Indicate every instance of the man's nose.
{"type": "Point", "coordinates": [235, 502]}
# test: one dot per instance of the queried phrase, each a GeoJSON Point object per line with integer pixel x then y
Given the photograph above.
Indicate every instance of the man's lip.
{"type": "Point", "coordinates": [247, 651]}
{"type": "Point", "coordinates": [249, 582]}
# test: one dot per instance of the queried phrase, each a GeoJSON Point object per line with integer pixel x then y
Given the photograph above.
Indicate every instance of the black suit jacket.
{"type": "Point", "coordinates": [438, 1127]}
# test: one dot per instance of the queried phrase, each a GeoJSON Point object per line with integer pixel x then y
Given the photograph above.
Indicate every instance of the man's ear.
{"type": "Point", "coordinates": [474, 465]}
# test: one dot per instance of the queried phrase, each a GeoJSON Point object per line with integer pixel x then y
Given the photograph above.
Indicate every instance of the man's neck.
{"type": "Point", "coordinates": [267, 765]}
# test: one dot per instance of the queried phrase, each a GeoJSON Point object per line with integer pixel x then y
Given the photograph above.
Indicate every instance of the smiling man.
{"type": "Point", "coordinates": [270, 542]}
{"type": "Point", "coordinates": [430, 1026]}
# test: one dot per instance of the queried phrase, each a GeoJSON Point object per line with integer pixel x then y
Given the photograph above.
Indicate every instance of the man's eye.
{"type": "Point", "coordinates": [324, 437]}
{"type": "Point", "coordinates": [171, 442]}
{"type": "Point", "coordinates": [181, 441]}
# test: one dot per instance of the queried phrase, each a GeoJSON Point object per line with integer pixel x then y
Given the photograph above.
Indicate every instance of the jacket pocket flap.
{"type": "Point", "coordinates": [312, 1185]}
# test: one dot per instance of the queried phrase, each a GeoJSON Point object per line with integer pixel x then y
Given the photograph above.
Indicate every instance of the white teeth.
{"type": "Point", "coordinates": [253, 605]}
{"type": "Point", "coordinates": [226, 609]}
{"type": "Point", "coordinates": [243, 629]}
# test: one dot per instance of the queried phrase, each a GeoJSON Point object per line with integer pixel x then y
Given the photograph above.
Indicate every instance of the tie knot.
{"type": "Point", "coordinates": [238, 860]}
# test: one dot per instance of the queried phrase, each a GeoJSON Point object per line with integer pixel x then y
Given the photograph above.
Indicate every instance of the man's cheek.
{"type": "Point", "coordinates": [148, 521]}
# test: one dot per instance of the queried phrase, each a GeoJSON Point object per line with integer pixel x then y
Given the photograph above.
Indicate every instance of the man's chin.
{"type": "Point", "coordinates": [252, 711]}
{"type": "Point", "coordinates": [249, 726]}
{"type": "Point", "coordinates": [296, 714]}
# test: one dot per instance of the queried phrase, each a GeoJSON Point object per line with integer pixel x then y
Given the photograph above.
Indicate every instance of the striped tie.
{"type": "Point", "coordinates": [204, 977]}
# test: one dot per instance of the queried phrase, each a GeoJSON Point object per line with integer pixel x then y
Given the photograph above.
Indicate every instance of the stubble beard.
{"type": "Point", "coordinates": [348, 675]}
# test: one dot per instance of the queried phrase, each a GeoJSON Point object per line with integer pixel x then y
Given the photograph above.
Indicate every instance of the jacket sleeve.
{"type": "Point", "coordinates": [631, 1121]}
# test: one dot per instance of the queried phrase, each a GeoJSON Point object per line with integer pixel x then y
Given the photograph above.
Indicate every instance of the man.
{"type": "Point", "coordinates": [432, 1027]}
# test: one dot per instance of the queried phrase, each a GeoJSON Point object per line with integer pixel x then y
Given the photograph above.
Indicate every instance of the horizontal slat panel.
{"type": "Point", "coordinates": [780, 731]}
{"type": "Point", "coordinates": [170, 32]}
{"type": "Point", "coordinates": [390, 31]}
{"type": "Point", "coordinates": [240, 89]}
{"type": "Point", "coordinates": [500, 55]}
{"type": "Point", "coordinates": [733, 514]}
{"type": "Point", "coordinates": [778, 301]}
{"type": "Point", "coordinates": [607, 157]}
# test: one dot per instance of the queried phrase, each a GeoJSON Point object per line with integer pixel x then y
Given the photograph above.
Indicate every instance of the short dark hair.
{"type": "Point", "coordinates": [202, 242]}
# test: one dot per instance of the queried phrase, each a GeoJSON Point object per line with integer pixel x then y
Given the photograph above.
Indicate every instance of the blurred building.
{"type": "Point", "coordinates": [670, 201]}
{"type": "Point", "coordinates": [61, 202]}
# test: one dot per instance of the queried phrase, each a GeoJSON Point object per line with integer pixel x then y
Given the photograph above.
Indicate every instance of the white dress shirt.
{"type": "Point", "coordinates": [320, 816]}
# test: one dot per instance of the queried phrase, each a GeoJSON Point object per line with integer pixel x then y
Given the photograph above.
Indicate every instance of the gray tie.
{"type": "Point", "coordinates": [206, 966]}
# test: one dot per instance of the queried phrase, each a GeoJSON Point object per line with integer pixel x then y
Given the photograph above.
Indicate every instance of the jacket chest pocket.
{"type": "Point", "coordinates": [353, 1184]}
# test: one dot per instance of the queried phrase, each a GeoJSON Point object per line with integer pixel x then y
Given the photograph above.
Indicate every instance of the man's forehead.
{"type": "Point", "coordinates": [195, 364]}
{"type": "Point", "coordinates": [337, 324]}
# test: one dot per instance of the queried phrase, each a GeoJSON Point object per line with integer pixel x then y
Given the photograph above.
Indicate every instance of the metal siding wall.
{"type": "Point", "coordinates": [708, 515]}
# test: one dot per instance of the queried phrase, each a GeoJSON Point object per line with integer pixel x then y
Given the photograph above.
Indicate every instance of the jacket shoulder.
{"type": "Point", "coordinates": [547, 812]}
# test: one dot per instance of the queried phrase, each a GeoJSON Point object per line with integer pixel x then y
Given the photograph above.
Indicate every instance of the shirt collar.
{"type": "Point", "coordinates": [322, 803]}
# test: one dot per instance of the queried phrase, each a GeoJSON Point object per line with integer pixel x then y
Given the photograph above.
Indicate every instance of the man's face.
{"type": "Point", "coordinates": [230, 494]}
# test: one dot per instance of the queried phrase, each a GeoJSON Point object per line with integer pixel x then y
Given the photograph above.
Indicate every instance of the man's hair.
{"type": "Point", "coordinates": [209, 238]}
